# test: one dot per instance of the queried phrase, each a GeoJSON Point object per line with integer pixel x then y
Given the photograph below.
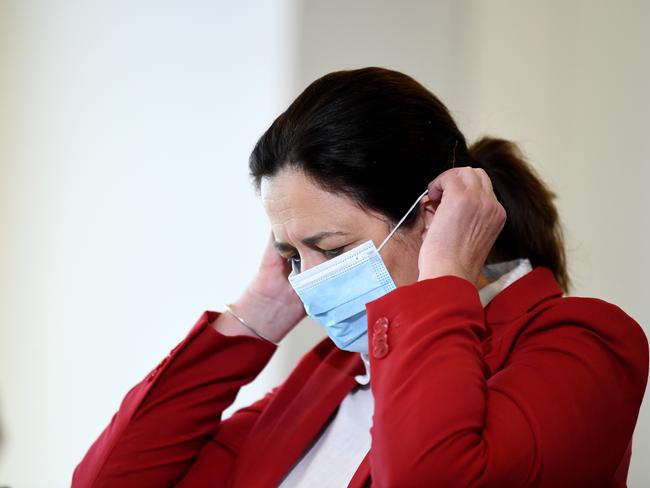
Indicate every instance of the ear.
{"type": "Point", "coordinates": [427, 211]}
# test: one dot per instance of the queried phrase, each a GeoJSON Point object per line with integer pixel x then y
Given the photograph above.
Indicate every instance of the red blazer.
{"type": "Point", "coordinates": [536, 389]}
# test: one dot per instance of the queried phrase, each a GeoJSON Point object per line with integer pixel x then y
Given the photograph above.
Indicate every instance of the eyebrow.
{"type": "Point", "coordinates": [309, 241]}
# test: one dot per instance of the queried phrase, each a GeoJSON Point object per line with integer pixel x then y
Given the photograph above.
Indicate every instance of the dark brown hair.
{"type": "Point", "coordinates": [379, 137]}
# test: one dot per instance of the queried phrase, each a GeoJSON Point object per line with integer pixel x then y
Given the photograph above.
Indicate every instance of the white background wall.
{"type": "Point", "coordinates": [125, 206]}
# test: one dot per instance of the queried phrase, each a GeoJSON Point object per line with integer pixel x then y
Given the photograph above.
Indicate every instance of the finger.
{"type": "Point", "coordinates": [462, 179]}
{"type": "Point", "coordinates": [486, 182]}
{"type": "Point", "coordinates": [471, 177]}
{"type": "Point", "coordinates": [446, 181]}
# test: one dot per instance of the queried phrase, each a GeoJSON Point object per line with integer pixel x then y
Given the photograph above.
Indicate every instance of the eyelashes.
{"type": "Point", "coordinates": [294, 260]}
{"type": "Point", "coordinates": [295, 264]}
{"type": "Point", "coordinates": [334, 252]}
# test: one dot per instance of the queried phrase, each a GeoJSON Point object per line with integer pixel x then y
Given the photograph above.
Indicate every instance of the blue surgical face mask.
{"type": "Point", "coordinates": [336, 291]}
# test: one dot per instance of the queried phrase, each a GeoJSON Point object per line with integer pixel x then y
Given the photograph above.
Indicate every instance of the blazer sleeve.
{"type": "Point", "coordinates": [168, 417]}
{"type": "Point", "coordinates": [560, 412]}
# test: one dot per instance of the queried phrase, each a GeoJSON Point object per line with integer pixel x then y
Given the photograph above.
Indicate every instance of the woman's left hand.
{"type": "Point", "coordinates": [464, 227]}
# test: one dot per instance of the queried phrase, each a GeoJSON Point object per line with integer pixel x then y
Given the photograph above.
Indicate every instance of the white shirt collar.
{"type": "Point", "coordinates": [499, 275]}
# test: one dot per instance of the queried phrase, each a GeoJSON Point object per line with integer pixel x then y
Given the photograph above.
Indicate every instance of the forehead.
{"type": "Point", "coordinates": [297, 206]}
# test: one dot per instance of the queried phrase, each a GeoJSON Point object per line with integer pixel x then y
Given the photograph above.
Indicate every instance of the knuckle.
{"type": "Point", "coordinates": [501, 212]}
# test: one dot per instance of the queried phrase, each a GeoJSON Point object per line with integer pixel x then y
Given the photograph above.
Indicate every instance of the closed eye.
{"type": "Point", "coordinates": [294, 260]}
{"type": "Point", "coordinates": [333, 252]}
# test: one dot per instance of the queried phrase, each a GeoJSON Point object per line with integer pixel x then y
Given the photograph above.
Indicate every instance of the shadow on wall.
{"type": "Point", "coordinates": [2, 439]}
{"type": "Point", "coordinates": [2, 443]}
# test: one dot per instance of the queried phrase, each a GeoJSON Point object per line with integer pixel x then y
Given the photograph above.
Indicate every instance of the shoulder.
{"type": "Point", "coordinates": [583, 325]}
{"type": "Point", "coordinates": [601, 317]}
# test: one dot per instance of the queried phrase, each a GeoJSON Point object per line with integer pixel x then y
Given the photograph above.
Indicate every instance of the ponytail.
{"type": "Point", "coordinates": [532, 229]}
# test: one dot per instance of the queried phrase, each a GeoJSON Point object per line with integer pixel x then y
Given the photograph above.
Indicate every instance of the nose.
{"type": "Point", "coordinates": [306, 263]}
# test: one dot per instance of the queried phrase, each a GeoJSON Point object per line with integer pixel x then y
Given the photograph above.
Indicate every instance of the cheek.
{"type": "Point", "coordinates": [402, 265]}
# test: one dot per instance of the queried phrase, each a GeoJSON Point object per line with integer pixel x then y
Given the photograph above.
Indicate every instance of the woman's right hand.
{"type": "Point", "coordinates": [269, 304]}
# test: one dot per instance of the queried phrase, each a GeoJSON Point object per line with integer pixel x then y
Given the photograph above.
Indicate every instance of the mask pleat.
{"type": "Point", "coordinates": [351, 284]}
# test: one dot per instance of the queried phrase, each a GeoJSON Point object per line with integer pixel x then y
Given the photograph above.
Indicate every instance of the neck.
{"type": "Point", "coordinates": [482, 281]}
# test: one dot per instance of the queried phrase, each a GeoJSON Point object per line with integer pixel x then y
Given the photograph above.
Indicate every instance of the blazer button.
{"type": "Point", "coordinates": [379, 337]}
{"type": "Point", "coordinates": [380, 350]}
{"type": "Point", "coordinates": [381, 324]}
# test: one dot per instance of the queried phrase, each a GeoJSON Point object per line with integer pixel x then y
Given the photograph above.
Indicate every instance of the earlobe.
{"type": "Point", "coordinates": [428, 210]}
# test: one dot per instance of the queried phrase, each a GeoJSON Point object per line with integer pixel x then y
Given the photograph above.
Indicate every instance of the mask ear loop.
{"type": "Point", "coordinates": [402, 220]}
{"type": "Point", "coordinates": [453, 163]}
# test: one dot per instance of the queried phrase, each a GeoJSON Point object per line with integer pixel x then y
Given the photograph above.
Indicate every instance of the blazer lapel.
{"type": "Point", "coordinates": [276, 446]}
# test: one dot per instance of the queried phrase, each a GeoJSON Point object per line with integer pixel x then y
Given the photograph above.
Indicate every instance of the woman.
{"type": "Point", "coordinates": [453, 357]}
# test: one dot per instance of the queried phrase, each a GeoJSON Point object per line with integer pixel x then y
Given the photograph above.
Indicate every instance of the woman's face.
{"type": "Point", "coordinates": [311, 225]}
